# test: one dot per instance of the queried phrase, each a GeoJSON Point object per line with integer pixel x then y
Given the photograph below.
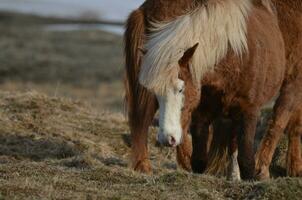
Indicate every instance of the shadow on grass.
{"type": "Point", "coordinates": [21, 147]}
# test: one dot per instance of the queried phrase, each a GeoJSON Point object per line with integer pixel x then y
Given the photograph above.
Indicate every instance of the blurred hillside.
{"type": "Point", "coordinates": [81, 64]}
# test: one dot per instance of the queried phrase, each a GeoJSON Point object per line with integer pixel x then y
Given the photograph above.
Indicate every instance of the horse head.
{"type": "Point", "coordinates": [176, 102]}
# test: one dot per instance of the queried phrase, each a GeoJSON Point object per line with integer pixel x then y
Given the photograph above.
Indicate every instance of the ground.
{"type": "Point", "coordinates": [56, 148]}
{"type": "Point", "coordinates": [63, 134]}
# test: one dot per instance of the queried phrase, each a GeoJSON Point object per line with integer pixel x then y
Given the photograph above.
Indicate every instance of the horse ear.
{"type": "Point", "coordinates": [188, 55]}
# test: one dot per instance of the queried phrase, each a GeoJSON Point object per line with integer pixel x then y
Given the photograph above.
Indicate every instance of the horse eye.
{"type": "Point", "coordinates": [181, 90]}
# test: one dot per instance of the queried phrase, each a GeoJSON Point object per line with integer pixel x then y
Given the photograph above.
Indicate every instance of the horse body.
{"type": "Point", "coordinates": [236, 85]}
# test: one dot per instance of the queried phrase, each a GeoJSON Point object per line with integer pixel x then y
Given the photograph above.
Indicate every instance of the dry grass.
{"type": "Point", "coordinates": [105, 96]}
{"type": "Point", "coordinates": [54, 148]}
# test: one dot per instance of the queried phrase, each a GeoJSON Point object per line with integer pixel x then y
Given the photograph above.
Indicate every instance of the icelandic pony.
{"type": "Point", "coordinates": [287, 116]}
{"type": "Point", "coordinates": [201, 60]}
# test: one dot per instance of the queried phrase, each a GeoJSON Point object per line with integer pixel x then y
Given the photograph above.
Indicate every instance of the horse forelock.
{"type": "Point", "coordinates": [216, 26]}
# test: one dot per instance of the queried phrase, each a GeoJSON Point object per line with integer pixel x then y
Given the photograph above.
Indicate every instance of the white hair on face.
{"type": "Point", "coordinates": [170, 113]}
{"type": "Point", "coordinates": [215, 26]}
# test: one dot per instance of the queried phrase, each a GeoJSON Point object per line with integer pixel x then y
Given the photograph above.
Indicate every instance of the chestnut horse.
{"type": "Point", "coordinates": [287, 115]}
{"type": "Point", "coordinates": [204, 60]}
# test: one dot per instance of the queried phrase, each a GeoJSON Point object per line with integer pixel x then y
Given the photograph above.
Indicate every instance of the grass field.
{"type": "Point", "coordinates": [63, 136]}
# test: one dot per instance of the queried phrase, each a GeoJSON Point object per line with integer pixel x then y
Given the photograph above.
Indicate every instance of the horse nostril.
{"type": "Point", "coordinates": [172, 141]}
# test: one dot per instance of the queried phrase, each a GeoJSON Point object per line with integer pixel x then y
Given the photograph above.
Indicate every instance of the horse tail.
{"type": "Point", "coordinates": [136, 97]}
{"type": "Point", "coordinates": [218, 156]}
{"type": "Point", "coordinates": [133, 40]}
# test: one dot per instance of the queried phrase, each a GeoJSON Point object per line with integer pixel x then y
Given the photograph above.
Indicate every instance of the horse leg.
{"type": "Point", "coordinates": [269, 143]}
{"type": "Point", "coordinates": [184, 152]}
{"type": "Point", "coordinates": [200, 137]}
{"type": "Point", "coordinates": [294, 160]}
{"type": "Point", "coordinates": [246, 144]}
{"type": "Point", "coordinates": [139, 135]}
{"type": "Point", "coordinates": [233, 168]}
{"type": "Point", "coordinates": [233, 172]}
{"type": "Point", "coordinates": [281, 117]}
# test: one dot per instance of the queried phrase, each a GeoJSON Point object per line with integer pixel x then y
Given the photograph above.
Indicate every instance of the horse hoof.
{"type": "Point", "coordinates": [143, 167]}
{"type": "Point", "coordinates": [234, 175]}
{"type": "Point", "coordinates": [184, 161]}
{"type": "Point", "coordinates": [185, 164]}
{"type": "Point", "coordinates": [294, 173]}
{"type": "Point", "coordinates": [234, 178]}
{"type": "Point", "coordinates": [262, 175]}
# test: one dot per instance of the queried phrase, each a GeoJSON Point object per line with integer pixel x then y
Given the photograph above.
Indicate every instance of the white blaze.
{"type": "Point", "coordinates": [170, 107]}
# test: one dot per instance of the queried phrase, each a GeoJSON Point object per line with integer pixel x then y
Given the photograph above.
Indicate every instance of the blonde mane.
{"type": "Point", "coordinates": [216, 26]}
